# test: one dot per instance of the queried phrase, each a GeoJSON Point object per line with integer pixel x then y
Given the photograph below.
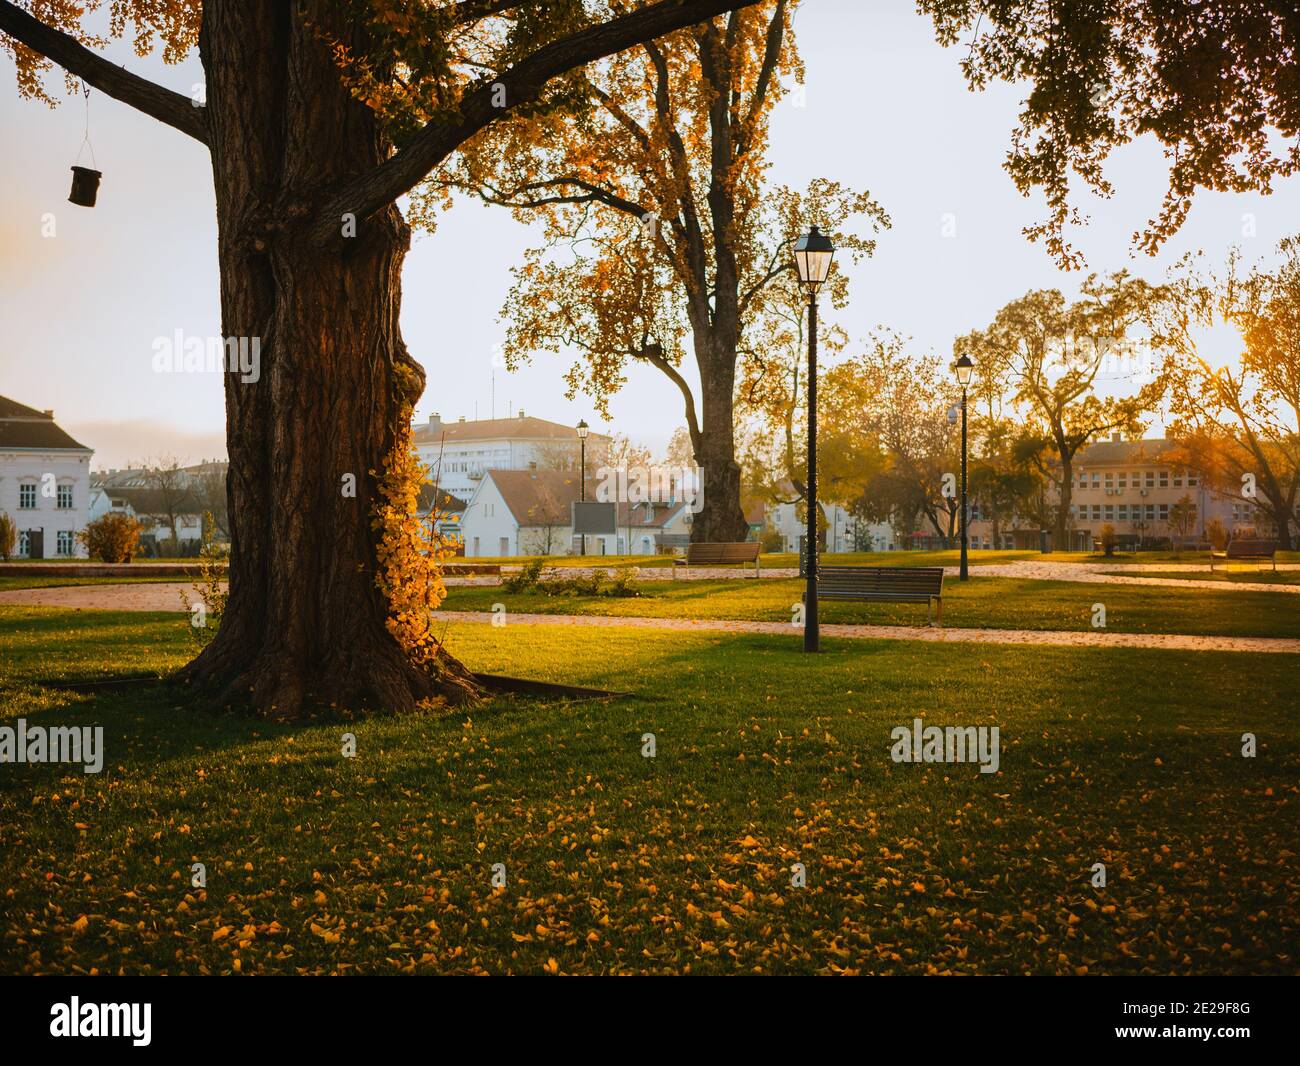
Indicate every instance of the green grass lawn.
{"type": "Point", "coordinates": [619, 863]}
{"type": "Point", "coordinates": [981, 602]}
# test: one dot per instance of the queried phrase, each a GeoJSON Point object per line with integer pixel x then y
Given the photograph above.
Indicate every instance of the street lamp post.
{"type": "Point", "coordinates": [812, 259]}
{"type": "Point", "coordinates": [965, 368]}
{"type": "Point", "coordinates": [583, 430]}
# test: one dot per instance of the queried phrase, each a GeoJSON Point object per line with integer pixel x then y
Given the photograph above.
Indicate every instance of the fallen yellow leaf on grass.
{"type": "Point", "coordinates": [551, 966]}
{"type": "Point", "coordinates": [80, 924]}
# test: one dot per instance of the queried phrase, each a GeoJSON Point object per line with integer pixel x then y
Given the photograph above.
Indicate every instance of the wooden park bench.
{"type": "Point", "coordinates": [721, 553]}
{"type": "Point", "coordinates": [1247, 551]}
{"type": "Point", "coordinates": [884, 584]}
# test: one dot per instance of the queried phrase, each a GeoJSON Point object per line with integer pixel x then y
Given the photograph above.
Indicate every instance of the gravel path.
{"type": "Point", "coordinates": [1090, 639]}
{"type": "Point", "coordinates": [166, 596]}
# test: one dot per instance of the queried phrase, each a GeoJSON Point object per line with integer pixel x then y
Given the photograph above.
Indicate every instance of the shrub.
{"type": "Point", "coordinates": [209, 586]}
{"type": "Point", "coordinates": [111, 538]}
{"type": "Point", "coordinates": [1217, 534]}
{"type": "Point", "coordinates": [525, 579]}
{"type": "Point", "coordinates": [8, 535]}
{"type": "Point", "coordinates": [1109, 538]}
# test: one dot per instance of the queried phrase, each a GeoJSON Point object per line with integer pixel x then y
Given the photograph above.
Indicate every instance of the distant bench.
{"type": "Point", "coordinates": [1247, 551]}
{"type": "Point", "coordinates": [884, 584]}
{"type": "Point", "coordinates": [721, 553]}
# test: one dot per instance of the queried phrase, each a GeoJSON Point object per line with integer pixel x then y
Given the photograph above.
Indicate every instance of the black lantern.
{"type": "Point", "coordinates": [85, 186]}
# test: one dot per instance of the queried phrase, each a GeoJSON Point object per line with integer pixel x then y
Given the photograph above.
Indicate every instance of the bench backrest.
{"type": "Point", "coordinates": [916, 580]}
{"type": "Point", "coordinates": [1238, 548]}
{"type": "Point", "coordinates": [704, 552]}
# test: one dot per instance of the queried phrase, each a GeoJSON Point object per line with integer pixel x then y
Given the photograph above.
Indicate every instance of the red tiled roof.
{"type": "Point", "coordinates": [25, 427]}
{"type": "Point", "coordinates": [545, 497]}
{"type": "Point", "coordinates": [519, 428]}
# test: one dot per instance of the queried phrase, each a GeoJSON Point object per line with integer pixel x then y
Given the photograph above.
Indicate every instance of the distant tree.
{"type": "Point", "coordinates": [1109, 539]}
{"type": "Point", "coordinates": [662, 242]}
{"type": "Point", "coordinates": [1214, 81]}
{"type": "Point", "coordinates": [903, 402]}
{"type": "Point", "coordinates": [1051, 352]}
{"type": "Point", "coordinates": [1236, 412]}
{"type": "Point", "coordinates": [111, 538]}
{"type": "Point", "coordinates": [209, 489]}
{"type": "Point", "coordinates": [8, 536]}
{"type": "Point", "coordinates": [170, 482]}
{"type": "Point", "coordinates": [1182, 519]}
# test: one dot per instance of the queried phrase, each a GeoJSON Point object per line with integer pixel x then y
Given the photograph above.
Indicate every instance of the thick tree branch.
{"type": "Point", "coordinates": [522, 83]}
{"type": "Point", "coordinates": [166, 106]}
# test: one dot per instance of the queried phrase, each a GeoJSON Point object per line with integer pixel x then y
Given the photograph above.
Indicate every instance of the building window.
{"type": "Point", "coordinates": [1096, 512]}
{"type": "Point", "coordinates": [1164, 512]}
{"type": "Point", "coordinates": [63, 546]}
{"type": "Point", "coordinates": [1083, 481]}
{"type": "Point", "coordinates": [65, 498]}
{"type": "Point", "coordinates": [1110, 482]}
{"type": "Point", "coordinates": [24, 546]}
{"type": "Point", "coordinates": [1151, 512]}
{"type": "Point", "coordinates": [1178, 479]}
{"type": "Point", "coordinates": [26, 497]}
{"type": "Point", "coordinates": [1151, 479]}
{"type": "Point", "coordinates": [1123, 512]}
{"type": "Point", "coordinates": [1191, 481]}
{"type": "Point", "coordinates": [1096, 481]}
{"type": "Point", "coordinates": [1109, 512]}
{"type": "Point", "coordinates": [1123, 479]}
{"type": "Point", "coordinates": [1164, 479]}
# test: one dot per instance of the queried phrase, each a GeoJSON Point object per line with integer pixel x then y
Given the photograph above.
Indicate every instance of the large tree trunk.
{"type": "Point", "coordinates": [722, 518]}
{"type": "Point", "coordinates": [305, 619]}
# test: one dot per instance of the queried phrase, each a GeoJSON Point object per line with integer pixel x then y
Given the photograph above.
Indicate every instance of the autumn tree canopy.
{"type": "Point", "coordinates": [1216, 82]}
{"type": "Point", "coordinates": [662, 238]}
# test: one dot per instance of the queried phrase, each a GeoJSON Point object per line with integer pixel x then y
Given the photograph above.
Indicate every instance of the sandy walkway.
{"type": "Point", "coordinates": [1090, 639]}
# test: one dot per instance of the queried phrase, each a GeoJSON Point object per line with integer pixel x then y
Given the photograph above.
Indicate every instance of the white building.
{"type": "Point", "coordinates": [459, 454]}
{"type": "Point", "coordinates": [44, 482]}
{"type": "Point", "coordinates": [529, 512]}
{"type": "Point", "coordinates": [844, 532]}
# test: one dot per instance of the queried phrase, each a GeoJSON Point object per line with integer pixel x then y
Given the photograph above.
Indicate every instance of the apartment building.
{"type": "Point", "coordinates": [1138, 488]}
{"type": "Point", "coordinates": [458, 454]}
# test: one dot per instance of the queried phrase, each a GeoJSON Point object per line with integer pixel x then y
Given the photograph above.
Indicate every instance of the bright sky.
{"type": "Point", "coordinates": [886, 110]}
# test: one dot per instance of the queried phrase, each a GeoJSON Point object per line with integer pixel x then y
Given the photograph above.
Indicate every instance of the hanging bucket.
{"type": "Point", "coordinates": [85, 186]}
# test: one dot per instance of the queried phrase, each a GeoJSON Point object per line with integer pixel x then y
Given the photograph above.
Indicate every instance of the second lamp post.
{"type": "Point", "coordinates": [965, 368]}
{"type": "Point", "coordinates": [812, 259]}
{"type": "Point", "coordinates": [583, 430]}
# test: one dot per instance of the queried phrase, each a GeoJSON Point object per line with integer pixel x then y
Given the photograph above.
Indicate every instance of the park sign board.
{"type": "Point", "coordinates": [592, 518]}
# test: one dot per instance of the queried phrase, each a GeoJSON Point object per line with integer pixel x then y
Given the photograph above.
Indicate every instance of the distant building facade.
{"type": "Point", "coordinates": [44, 482]}
{"type": "Point", "coordinates": [1137, 487]}
{"type": "Point", "coordinates": [459, 454]}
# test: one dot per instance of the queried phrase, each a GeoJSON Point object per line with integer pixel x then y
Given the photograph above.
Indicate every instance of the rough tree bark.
{"type": "Point", "coordinates": [304, 618]}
